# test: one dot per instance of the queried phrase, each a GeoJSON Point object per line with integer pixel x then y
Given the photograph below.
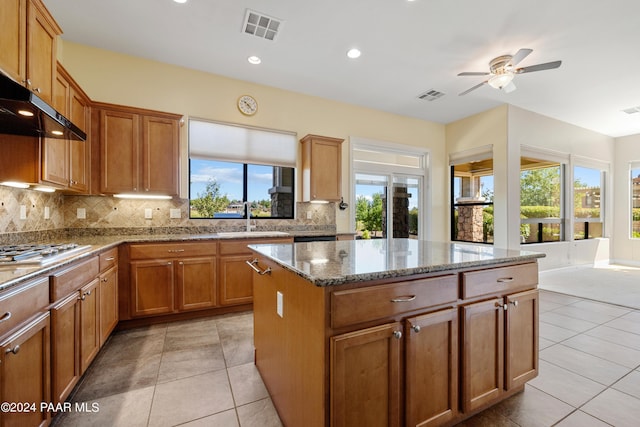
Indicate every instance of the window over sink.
{"type": "Point", "coordinates": [230, 165]}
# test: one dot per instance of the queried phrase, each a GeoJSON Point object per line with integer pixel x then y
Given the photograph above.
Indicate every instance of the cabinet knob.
{"type": "Point", "coordinates": [5, 317]}
{"type": "Point", "coordinates": [82, 298]}
{"type": "Point", "coordinates": [500, 305]}
{"type": "Point", "coordinates": [514, 303]}
{"type": "Point", "coordinates": [397, 334]}
{"type": "Point", "coordinates": [104, 279]}
{"type": "Point", "coordinates": [13, 350]}
{"type": "Point", "coordinates": [37, 90]}
{"type": "Point", "coordinates": [181, 263]}
{"type": "Point", "coordinates": [416, 328]}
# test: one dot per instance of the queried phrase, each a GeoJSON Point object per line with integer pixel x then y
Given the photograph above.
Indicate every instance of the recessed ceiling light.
{"type": "Point", "coordinates": [254, 60]}
{"type": "Point", "coordinates": [354, 53]}
{"type": "Point", "coordinates": [180, 1]}
{"type": "Point", "coordinates": [25, 113]}
{"type": "Point", "coordinates": [57, 132]}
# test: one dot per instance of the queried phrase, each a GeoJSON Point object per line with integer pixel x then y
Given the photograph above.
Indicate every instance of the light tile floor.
{"type": "Point", "coordinates": [201, 373]}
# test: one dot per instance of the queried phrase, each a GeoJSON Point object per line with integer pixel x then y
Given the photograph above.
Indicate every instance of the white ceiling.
{"type": "Point", "coordinates": [408, 48]}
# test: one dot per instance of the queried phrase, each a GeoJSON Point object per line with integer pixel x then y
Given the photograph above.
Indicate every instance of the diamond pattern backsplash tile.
{"type": "Point", "coordinates": [108, 215]}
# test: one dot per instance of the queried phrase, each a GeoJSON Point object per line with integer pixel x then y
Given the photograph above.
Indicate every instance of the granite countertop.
{"type": "Point", "coordinates": [341, 262]}
{"type": "Point", "coordinates": [12, 275]}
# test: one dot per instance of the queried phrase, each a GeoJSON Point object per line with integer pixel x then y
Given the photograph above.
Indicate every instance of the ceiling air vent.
{"type": "Point", "coordinates": [431, 95]}
{"type": "Point", "coordinates": [261, 25]}
{"type": "Point", "coordinates": [632, 110]}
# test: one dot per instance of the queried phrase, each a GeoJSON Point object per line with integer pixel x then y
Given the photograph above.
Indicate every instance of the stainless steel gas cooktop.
{"type": "Point", "coordinates": [39, 254]}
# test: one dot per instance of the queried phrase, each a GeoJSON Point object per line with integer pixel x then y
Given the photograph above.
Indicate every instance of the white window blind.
{"type": "Point", "coordinates": [218, 141]}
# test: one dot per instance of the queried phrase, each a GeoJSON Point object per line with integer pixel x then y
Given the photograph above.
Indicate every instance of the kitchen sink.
{"type": "Point", "coordinates": [231, 234]}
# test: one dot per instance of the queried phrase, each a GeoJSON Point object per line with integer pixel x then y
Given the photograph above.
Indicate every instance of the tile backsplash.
{"type": "Point", "coordinates": [95, 215]}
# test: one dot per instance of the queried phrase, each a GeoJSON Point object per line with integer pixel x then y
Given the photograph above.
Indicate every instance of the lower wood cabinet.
{"type": "Point", "coordinates": [395, 353]}
{"type": "Point", "coordinates": [167, 278]}
{"type": "Point", "coordinates": [108, 290]}
{"type": "Point", "coordinates": [89, 325]}
{"type": "Point", "coordinates": [25, 372]}
{"type": "Point", "coordinates": [65, 337]}
{"type": "Point", "coordinates": [365, 377]}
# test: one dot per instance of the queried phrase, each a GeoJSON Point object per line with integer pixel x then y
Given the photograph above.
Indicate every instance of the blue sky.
{"type": "Point", "coordinates": [229, 176]}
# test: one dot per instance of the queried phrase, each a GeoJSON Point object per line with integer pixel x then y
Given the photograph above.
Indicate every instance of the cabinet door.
{"type": "Point", "coordinates": [160, 153]}
{"type": "Point", "coordinates": [151, 287]}
{"type": "Point", "coordinates": [365, 377]}
{"type": "Point", "coordinates": [119, 140]}
{"type": "Point", "coordinates": [482, 352]}
{"type": "Point", "coordinates": [326, 170]}
{"type": "Point", "coordinates": [13, 33]}
{"type": "Point", "coordinates": [79, 160]}
{"type": "Point", "coordinates": [89, 327]}
{"type": "Point", "coordinates": [41, 52]}
{"type": "Point", "coordinates": [65, 336]}
{"type": "Point", "coordinates": [196, 283]}
{"type": "Point", "coordinates": [236, 280]}
{"type": "Point", "coordinates": [55, 161]}
{"type": "Point", "coordinates": [521, 340]}
{"type": "Point", "coordinates": [25, 372]}
{"type": "Point", "coordinates": [108, 317]}
{"type": "Point", "coordinates": [432, 368]}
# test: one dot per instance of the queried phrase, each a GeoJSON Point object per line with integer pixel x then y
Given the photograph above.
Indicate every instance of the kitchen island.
{"type": "Point", "coordinates": [393, 332]}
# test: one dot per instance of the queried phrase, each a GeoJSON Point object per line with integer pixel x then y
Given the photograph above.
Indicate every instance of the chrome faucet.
{"type": "Point", "coordinates": [248, 213]}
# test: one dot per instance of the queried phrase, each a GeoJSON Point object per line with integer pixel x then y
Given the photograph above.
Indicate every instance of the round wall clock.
{"type": "Point", "coordinates": [247, 105]}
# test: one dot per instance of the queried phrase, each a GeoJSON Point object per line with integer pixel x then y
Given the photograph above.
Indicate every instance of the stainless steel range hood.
{"type": "Point", "coordinates": [22, 112]}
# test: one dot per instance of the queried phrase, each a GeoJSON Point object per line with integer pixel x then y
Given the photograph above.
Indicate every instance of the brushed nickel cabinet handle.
{"type": "Point", "coordinates": [111, 258]}
{"type": "Point", "coordinates": [5, 317]}
{"type": "Point", "coordinates": [13, 350]}
{"type": "Point", "coordinates": [416, 328]}
{"type": "Point", "coordinates": [514, 303]}
{"type": "Point", "coordinates": [253, 264]}
{"type": "Point", "coordinates": [505, 280]}
{"type": "Point", "coordinates": [397, 334]}
{"type": "Point", "coordinates": [406, 298]}
{"type": "Point", "coordinates": [175, 250]}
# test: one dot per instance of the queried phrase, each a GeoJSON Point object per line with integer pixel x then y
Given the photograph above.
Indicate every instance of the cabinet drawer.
{"type": "Point", "coordinates": [171, 250]}
{"type": "Point", "coordinates": [228, 247]}
{"type": "Point", "coordinates": [376, 302]}
{"type": "Point", "coordinates": [73, 278]}
{"type": "Point", "coordinates": [108, 259]}
{"type": "Point", "coordinates": [499, 280]}
{"type": "Point", "coordinates": [23, 302]}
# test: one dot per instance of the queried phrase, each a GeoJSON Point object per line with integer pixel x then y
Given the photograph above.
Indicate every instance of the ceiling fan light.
{"type": "Point", "coordinates": [499, 81]}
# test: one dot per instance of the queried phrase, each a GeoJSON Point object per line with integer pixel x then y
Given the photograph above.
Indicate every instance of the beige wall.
{"type": "Point", "coordinates": [110, 77]}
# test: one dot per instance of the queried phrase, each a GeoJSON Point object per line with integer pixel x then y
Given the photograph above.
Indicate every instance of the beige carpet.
{"type": "Point", "coordinates": [614, 284]}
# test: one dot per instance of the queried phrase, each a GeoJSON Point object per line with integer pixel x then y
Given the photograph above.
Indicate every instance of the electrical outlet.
{"type": "Point", "coordinates": [81, 213]}
{"type": "Point", "coordinates": [175, 213]}
{"type": "Point", "coordinates": [279, 304]}
{"type": "Point", "coordinates": [309, 214]}
{"type": "Point", "coordinates": [148, 213]}
{"type": "Point", "coordinates": [23, 212]}
{"type": "Point", "coordinates": [47, 212]}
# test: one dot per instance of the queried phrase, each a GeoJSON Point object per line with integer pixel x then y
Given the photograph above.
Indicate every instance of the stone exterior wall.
{"type": "Point", "coordinates": [470, 223]}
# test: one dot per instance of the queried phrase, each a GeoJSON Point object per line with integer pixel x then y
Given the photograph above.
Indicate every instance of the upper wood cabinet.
{"type": "Point", "coordinates": [66, 163]}
{"type": "Point", "coordinates": [139, 150]}
{"type": "Point", "coordinates": [321, 168]}
{"type": "Point", "coordinates": [28, 53]}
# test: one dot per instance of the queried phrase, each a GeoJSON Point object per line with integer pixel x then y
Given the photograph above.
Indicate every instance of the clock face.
{"type": "Point", "coordinates": [247, 105]}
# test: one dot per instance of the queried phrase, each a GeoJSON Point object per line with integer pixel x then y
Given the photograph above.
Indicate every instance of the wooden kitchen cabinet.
{"type": "Point", "coordinates": [89, 324]}
{"type": "Point", "coordinates": [65, 336]}
{"type": "Point", "coordinates": [66, 163]}
{"type": "Point", "coordinates": [172, 277]}
{"type": "Point", "coordinates": [29, 39]}
{"type": "Point", "coordinates": [366, 377]}
{"type": "Point", "coordinates": [25, 372]}
{"type": "Point", "coordinates": [321, 168]}
{"type": "Point", "coordinates": [235, 279]}
{"type": "Point", "coordinates": [425, 351]}
{"type": "Point", "coordinates": [108, 293]}
{"type": "Point", "coordinates": [139, 150]}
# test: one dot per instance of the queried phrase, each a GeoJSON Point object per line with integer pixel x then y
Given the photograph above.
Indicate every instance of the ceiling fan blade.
{"type": "Point", "coordinates": [519, 56]}
{"type": "Point", "coordinates": [474, 73]}
{"type": "Point", "coordinates": [538, 67]}
{"type": "Point", "coordinates": [473, 88]}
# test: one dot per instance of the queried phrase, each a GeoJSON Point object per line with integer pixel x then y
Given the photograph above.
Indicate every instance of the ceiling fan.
{"type": "Point", "coordinates": [502, 71]}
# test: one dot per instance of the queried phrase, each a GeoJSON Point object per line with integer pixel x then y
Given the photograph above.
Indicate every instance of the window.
{"type": "Point", "coordinates": [634, 184]}
{"type": "Point", "coordinates": [587, 202]}
{"type": "Point", "coordinates": [541, 200]}
{"type": "Point", "coordinates": [472, 201]}
{"type": "Point", "coordinates": [230, 166]}
{"type": "Point", "coordinates": [388, 190]}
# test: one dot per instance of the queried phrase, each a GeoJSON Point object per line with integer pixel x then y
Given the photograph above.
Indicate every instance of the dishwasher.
{"type": "Point", "coordinates": [326, 238]}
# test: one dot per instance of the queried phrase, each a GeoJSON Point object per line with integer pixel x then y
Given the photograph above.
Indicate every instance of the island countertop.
{"type": "Point", "coordinates": [341, 262]}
